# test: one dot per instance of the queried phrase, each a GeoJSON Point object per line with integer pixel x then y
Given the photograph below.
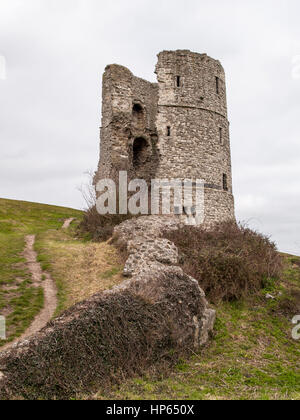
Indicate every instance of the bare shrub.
{"type": "Point", "coordinates": [99, 227]}
{"type": "Point", "coordinates": [95, 226]}
{"type": "Point", "coordinates": [229, 260]}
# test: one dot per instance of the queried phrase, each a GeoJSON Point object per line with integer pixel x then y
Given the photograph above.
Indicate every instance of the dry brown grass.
{"type": "Point", "coordinates": [106, 339]}
{"type": "Point", "coordinates": [80, 269]}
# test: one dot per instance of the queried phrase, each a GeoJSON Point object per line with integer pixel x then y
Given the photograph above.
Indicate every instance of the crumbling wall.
{"type": "Point", "coordinates": [149, 252]}
{"type": "Point", "coordinates": [182, 132]}
{"type": "Point", "coordinates": [128, 114]}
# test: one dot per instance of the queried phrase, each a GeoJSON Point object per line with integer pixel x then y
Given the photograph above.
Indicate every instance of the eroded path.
{"type": "Point", "coordinates": [68, 222]}
{"type": "Point", "coordinates": [40, 279]}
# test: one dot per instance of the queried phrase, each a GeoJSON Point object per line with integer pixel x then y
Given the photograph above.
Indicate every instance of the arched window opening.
{"type": "Point", "coordinates": [138, 115]}
{"type": "Point", "coordinates": [137, 109]}
{"type": "Point", "coordinates": [140, 152]}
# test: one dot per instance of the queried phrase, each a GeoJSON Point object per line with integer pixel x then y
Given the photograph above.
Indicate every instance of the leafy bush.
{"type": "Point", "coordinates": [229, 260]}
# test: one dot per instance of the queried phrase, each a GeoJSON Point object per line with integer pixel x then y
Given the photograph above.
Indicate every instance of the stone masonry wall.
{"type": "Point", "coordinates": [121, 92]}
{"type": "Point", "coordinates": [158, 314]}
{"type": "Point", "coordinates": [177, 128]}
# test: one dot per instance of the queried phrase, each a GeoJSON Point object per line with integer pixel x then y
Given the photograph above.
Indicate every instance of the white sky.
{"type": "Point", "coordinates": [50, 102]}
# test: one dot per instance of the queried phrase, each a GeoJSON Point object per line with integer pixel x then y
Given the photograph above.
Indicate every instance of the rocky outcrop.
{"type": "Point", "coordinates": [150, 254]}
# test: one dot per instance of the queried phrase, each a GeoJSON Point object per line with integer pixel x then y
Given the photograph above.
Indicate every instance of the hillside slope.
{"type": "Point", "coordinates": [20, 300]}
{"type": "Point", "coordinates": [79, 268]}
{"type": "Point", "coordinates": [253, 355]}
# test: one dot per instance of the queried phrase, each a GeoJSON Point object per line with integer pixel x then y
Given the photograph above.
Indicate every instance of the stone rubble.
{"type": "Point", "coordinates": [152, 255]}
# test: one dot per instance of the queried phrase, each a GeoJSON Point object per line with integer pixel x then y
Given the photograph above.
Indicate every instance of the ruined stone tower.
{"type": "Point", "coordinates": [176, 128]}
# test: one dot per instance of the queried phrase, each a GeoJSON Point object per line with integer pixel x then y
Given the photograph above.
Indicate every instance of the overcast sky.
{"type": "Point", "coordinates": [50, 101]}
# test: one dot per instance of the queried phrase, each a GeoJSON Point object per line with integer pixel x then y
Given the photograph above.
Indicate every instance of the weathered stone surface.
{"type": "Point", "coordinates": [151, 254]}
{"type": "Point", "coordinates": [147, 226]}
{"type": "Point", "coordinates": [142, 252]}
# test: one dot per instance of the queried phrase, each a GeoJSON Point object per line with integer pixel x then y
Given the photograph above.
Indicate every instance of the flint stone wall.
{"type": "Point", "coordinates": [185, 127]}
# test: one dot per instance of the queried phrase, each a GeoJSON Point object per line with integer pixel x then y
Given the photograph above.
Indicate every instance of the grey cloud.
{"type": "Point", "coordinates": [50, 104]}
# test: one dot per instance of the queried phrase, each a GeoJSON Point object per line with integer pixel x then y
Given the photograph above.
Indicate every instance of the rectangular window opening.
{"type": "Point", "coordinates": [178, 81]}
{"type": "Point", "coordinates": [217, 85]}
{"type": "Point", "coordinates": [168, 131]}
{"type": "Point", "coordinates": [225, 182]}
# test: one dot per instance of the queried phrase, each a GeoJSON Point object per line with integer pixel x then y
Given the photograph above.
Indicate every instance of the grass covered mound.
{"type": "Point", "coordinates": [147, 324]}
{"type": "Point", "coordinates": [228, 260]}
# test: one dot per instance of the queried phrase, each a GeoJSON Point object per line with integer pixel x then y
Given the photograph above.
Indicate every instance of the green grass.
{"type": "Point", "coordinates": [79, 267]}
{"type": "Point", "coordinates": [252, 355]}
{"type": "Point", "coordinates": [20, 301]}
{"type": "Point", "coordinates": [46, 260]}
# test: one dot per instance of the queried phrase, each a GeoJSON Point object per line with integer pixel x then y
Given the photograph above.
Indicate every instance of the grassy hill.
{"type": "Point", "coordinates": [252, 355]}
{"type": "Point", "coordinates": [69, 260]}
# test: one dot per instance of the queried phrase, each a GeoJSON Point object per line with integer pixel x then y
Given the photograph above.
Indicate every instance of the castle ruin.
{"type": "Point", "coordinates": [176, 128]}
